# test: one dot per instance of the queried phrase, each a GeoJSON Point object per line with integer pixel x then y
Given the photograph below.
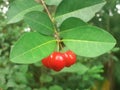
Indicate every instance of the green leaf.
{"type": "Point", "coordinates": [21, 79]}
{"type": "Point", "coordinates": [40, 22]}
{"type": "Point", "coordinates": [76, 68]}
{"type": "Point", "coordinates": [32, 47]}
{"type": "Point", "coordinates": [53, 2]}
{"type": "Point", "coordinates": [84, 10]}
{"type": "Point", "coordinates": [11, 83]}
{"type": "Point", "coordinates": [71, 22]}
{"type": "Point", "coordinates": [88, 41]}
{"type": "Point", "coordinates": [2, 79]}
{"type": "Point", "coordinates": [18, 8]}
{"type": "Point", "coordinates": [55, 87]}
{"type": "Point", "coordinates": [45, 78]}
{"type": "Point", "coordinates": [96, 69]}
{"type": "Point", "coordinates": [23, 68]}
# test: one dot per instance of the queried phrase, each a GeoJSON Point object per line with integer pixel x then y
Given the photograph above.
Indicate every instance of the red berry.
{"type": "Point", "coordinates": [45, 62]}
{"type": "Point", "coordinates": [57, 61]}
{"type": "Point", "coordinates": [70, 58]}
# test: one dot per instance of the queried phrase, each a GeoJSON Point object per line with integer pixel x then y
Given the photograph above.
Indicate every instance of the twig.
{"type": "Point", "coordinates": [53, 21]}
{"type": "Point", "coordinates": [46, 9]}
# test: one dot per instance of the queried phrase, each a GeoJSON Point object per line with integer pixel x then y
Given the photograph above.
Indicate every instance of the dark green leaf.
{"type": "Point", "coordinates": [40, 22]}
{"type": "Point", "coordinates": [32, 47]}
{"type": "Point", "coordinates": [43, 88]}
{"type": "Point", "coordinates": [71, 22]}
{"type": "Point", "coordinates": [78, 8]}
{"type": "Point", "coordinates": [18, 8]}
{"type": "Point", "coordinates": [88, 41]}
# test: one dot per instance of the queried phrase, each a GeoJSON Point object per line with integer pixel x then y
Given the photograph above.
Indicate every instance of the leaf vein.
{"type": "Point", "coordinates": [34, 48]}
{"type": "Point", "coordinates": [86, 41]}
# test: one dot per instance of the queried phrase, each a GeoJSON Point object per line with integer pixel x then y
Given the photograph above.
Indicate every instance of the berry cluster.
{"type": "Point", "coordinates": [58, 60]}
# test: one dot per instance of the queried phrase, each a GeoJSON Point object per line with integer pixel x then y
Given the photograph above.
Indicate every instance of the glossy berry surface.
{"type": "Point", "coordinates": [45, 62]}
{"type": "Point", "coordinates": [70, 58]}
{"type": "Point", "coordinates": [57, 60]}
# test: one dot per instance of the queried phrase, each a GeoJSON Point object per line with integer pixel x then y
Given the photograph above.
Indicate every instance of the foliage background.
{"type": "Point", "coordinates": [36, 77]}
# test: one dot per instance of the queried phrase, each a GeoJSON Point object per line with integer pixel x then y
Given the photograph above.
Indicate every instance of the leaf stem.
{"type": "Point", "coordinates": [50, 16]}
{"type": "Point", "coordinates": [53, 21]}
{"type": "Point", "coordinates": [46, 9]}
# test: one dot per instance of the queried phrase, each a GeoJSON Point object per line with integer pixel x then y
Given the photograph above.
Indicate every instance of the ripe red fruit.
{"type": "Point", "coordinates": [70, 58]}
{"type": "Point", "coordinates": [45, 62]}
{"type": "Point", "coordinates": [57, 61]}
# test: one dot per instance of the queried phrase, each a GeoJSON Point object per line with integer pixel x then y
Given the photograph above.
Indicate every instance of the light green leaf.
{"type": "Point", "coordinates": [21, 79]}
{"type": "Point", "coordinates": [76, 68]}
{"type": "Point", "coordinates": [53, 2]}
{"type": "Point", "coordinates": [23, 68]}
{"type": "Point", "coordinates": [88, 41]}
{"type": "Point", "coordinates": [18, 8]}
{"type": "Point", "coordinates": [55, 87]}
{"type": "Point", "coordinates": [2, 79]}
{"type": "Point", "coordinates": [71, 22]}
{"type": "Point", "coordinates": [11, 83]}
{"type": "Point", "coordinates": [32, 47]}
{"type": "Point", "coordinates": [40, 22]}
{"type": "Point", "coordinates": [84, 10]}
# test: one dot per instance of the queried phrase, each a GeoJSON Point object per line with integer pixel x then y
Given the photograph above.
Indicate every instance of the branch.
{"type": "Point", "coordinates": [52, 19]}
{"type": "Point", "coordinates": [46, 9]}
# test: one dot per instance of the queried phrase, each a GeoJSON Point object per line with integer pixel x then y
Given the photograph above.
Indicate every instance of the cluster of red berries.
{"type": "Point", "coordinates": [59, 60]}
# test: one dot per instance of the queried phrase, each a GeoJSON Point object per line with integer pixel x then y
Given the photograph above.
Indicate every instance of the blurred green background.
{"type": "Point", "coordinates": [101, 73]}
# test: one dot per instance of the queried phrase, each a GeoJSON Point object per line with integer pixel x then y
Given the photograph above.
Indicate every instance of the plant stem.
{"type": "Point", "coordinates": [53, 21]}
{"type": "Point", "coordinates": [46, 9]}
{"type": "Point", "coordinates": [50, 16]}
